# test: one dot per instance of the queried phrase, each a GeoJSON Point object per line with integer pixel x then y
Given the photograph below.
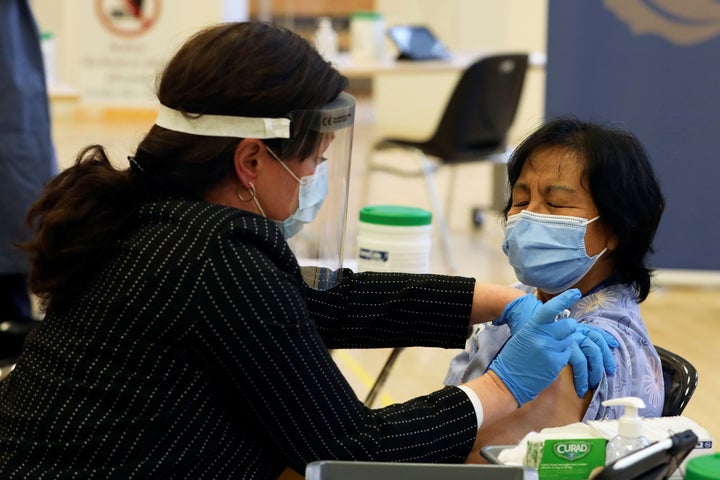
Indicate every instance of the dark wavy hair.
{"type": "Point", "coordinates": [621, 182]}
{"type": "Point", "coordinates": [246, 69]}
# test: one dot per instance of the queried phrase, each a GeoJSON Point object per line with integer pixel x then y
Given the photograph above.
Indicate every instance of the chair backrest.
{"type": "Point", "coordinates": [680, 378]}
{"type": "Point", "coordinates": [482, 106]}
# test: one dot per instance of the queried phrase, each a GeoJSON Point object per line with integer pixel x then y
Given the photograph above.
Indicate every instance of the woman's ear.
{"type": "Point", "coordinates": [612, 241]}
{"type": "Point", "coordinates": [246, 160]}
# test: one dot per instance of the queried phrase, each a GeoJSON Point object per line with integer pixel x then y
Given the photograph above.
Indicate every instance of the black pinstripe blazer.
{"type": "Point", "coordinates": [199, 352]}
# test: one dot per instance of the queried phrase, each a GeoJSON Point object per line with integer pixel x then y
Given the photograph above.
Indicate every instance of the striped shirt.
{"type": "Point", "coordinates": [197, 351]}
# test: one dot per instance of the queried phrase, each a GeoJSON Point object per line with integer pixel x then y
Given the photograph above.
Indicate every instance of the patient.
{"type": "Point", "coordinates": [583, 210]}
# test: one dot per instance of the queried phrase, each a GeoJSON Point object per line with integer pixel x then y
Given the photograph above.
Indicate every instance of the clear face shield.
{"type": "Point", "coordinates": [328, 133]}
{"type": "Point", "coordinates": [311, 136]}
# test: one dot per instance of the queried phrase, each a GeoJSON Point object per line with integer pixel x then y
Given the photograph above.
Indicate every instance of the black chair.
{"type": "Point", "coordinates": [473, 127]}
{"type": "Point", "coordinates": [680, 379]}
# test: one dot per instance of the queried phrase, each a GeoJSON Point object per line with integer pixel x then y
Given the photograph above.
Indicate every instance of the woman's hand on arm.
{"type": "Point", "coordinates": [591, 355]}
{"type": "Point", "coordinates": [514, 380]}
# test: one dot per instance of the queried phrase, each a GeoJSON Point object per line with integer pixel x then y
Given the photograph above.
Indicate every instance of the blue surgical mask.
{"type": "Point", "coordinates": [312, 193]}
{"type": "Point", "coordinates": [548, 251]}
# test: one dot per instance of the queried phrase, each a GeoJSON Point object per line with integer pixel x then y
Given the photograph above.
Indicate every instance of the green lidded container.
{"type": "Point", "coordinates": [367, 36]}
{"type": "Point", "coordinates": [394, 238]}
{"type": "Point", "coordinates": [703, 467]}
{"type": "Point", "coordinates": [366, 15]}
{"type": "Point", "coordinates": [396, 215]}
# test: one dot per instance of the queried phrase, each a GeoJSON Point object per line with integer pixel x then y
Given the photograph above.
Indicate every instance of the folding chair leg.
{"type": "Point", "coordinates": [438, 212]}
{"type": "Point", "coordinates": [382, 376]}
{"type": "Point", "coordinates": [365, 187]}
{"type": "Point", "coordinates": [449, 197]}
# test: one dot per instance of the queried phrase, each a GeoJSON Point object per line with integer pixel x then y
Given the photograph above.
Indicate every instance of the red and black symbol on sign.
{"type": "Point", "coordinates": [128, 18]}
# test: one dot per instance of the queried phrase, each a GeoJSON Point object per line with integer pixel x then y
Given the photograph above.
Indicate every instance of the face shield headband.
{"type": "Point", "coordinates": [320, 243]}
{"type": "Point", "coordinates": [336, 115]}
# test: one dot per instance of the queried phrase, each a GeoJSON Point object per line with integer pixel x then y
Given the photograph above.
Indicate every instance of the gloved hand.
{"type": "Point", "coordinates": [592, 343]}
{"type": "Point", "coordinates": [591, 355]}
{"type": "Point", "coordinates": [518, 312]}
{"type": "Point", "coordinates": [533, 357]}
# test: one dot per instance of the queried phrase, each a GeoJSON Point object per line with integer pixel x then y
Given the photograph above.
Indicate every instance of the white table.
{"type": "Point", "coordinates": [389, 65]}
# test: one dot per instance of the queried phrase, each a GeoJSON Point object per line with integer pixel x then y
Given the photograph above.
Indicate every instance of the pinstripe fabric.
{"type": "Point", "coordinates": [198, 352]}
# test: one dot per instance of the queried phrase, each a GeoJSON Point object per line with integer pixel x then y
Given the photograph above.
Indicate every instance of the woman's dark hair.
{"type": "Point", "coordinates": [620, 180]}
{"type": "Point", "coordinates": [248, 69]}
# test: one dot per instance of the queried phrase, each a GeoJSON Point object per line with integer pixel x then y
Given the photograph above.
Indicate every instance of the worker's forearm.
{"type": "Point", "coordinates": [496, 399]}
{"type": "Point", "coordinates": [489, 301]}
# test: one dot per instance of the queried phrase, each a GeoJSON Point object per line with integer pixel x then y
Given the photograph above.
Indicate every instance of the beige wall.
{"type": "Point", "coordinates": [66, 20]}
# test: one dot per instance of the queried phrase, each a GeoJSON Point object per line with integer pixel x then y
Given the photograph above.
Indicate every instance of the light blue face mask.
{"type": "Point", "coordinates": [548, 251]}
{"type": "Point", "coordinates": [312, 193]}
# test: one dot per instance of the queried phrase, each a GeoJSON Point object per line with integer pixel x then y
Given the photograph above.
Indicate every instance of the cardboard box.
{"type": "Point", "coordinates": [565, 458]}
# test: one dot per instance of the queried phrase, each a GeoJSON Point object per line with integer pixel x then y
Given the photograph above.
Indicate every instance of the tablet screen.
{"type": "Point", "coordinates": [417, 43]}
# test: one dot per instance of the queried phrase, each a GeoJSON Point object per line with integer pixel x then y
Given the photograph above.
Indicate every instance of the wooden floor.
{"type": "Point", "coordinates": [685, 320]}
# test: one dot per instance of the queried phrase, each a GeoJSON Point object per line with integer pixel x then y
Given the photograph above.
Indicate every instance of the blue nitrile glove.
{"type": "Point", "coordinates": [592, 343]}
{"type": "Point", "coordinates": [591, 356]}
{"type": "Point", "coordinates": [518, 312]}
{"type": "Point", "coordinates": [533, 357]}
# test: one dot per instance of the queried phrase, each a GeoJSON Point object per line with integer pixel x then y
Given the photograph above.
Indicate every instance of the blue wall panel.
{"type": "Point", "coordinates": [656, 73]}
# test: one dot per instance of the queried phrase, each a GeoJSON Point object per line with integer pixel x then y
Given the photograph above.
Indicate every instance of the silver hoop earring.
{"type": "Point", "coordinates": [250, 189]}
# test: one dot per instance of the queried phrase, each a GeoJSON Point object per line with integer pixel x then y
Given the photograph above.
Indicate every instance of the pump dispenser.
{"type": "Point", "coordinates": [629, 437]}
{"type": "Point", "coordinates": [326, 40]}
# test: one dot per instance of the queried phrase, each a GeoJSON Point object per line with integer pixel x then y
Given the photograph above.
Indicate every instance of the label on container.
{"type": "Point", "coordinates": [374, 255]}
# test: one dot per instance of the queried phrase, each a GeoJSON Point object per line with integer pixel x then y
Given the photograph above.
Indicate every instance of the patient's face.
{"type": "Point", "coordinates": [552, 182]}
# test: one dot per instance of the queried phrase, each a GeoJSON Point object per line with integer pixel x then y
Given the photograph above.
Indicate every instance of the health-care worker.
{"type": "Point", "coordinates": [181, 337]}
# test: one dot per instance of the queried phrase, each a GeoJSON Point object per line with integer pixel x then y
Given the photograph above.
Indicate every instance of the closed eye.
{"type": "Point", "coordinates": [554, 205]}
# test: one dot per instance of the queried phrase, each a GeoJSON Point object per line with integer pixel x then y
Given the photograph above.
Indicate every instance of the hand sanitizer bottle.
{"type": "Point", "coordinates": [629, 437]}
{"type": "Point", "coordinates": [326, 40]}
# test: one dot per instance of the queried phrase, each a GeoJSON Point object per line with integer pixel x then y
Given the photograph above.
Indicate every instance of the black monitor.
{"type": "Point", "coordinates": [346, 470]}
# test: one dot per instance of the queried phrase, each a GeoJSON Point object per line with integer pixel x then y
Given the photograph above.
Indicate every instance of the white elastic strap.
{"type": "Point", "coordinates": [283, 164]}
{"type": "Point", "coordinates": [257, 204]}
{"type": "Point", "coordinates": [477, 405]}
{"type": "Point", "coordinates": [223, 125]}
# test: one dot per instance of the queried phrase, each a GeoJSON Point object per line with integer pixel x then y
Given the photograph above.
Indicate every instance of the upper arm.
{"type": "Point", "coordinates": [385, 310]}
{"type": "Point", "coordinates": [555, 406]}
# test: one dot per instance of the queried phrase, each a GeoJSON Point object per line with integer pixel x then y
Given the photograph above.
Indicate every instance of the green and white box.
{"type": "Point", "coordinates": [564, 458]}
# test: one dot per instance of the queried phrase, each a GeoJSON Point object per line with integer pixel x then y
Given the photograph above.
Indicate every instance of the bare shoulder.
{"type": "Point", "coordinates": [556, 406]}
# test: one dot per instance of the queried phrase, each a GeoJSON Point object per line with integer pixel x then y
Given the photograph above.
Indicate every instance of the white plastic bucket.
{"type": "Point", "coordinates": [367, 36]}
{"type": "Point", "coordinates": [393, 238]}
